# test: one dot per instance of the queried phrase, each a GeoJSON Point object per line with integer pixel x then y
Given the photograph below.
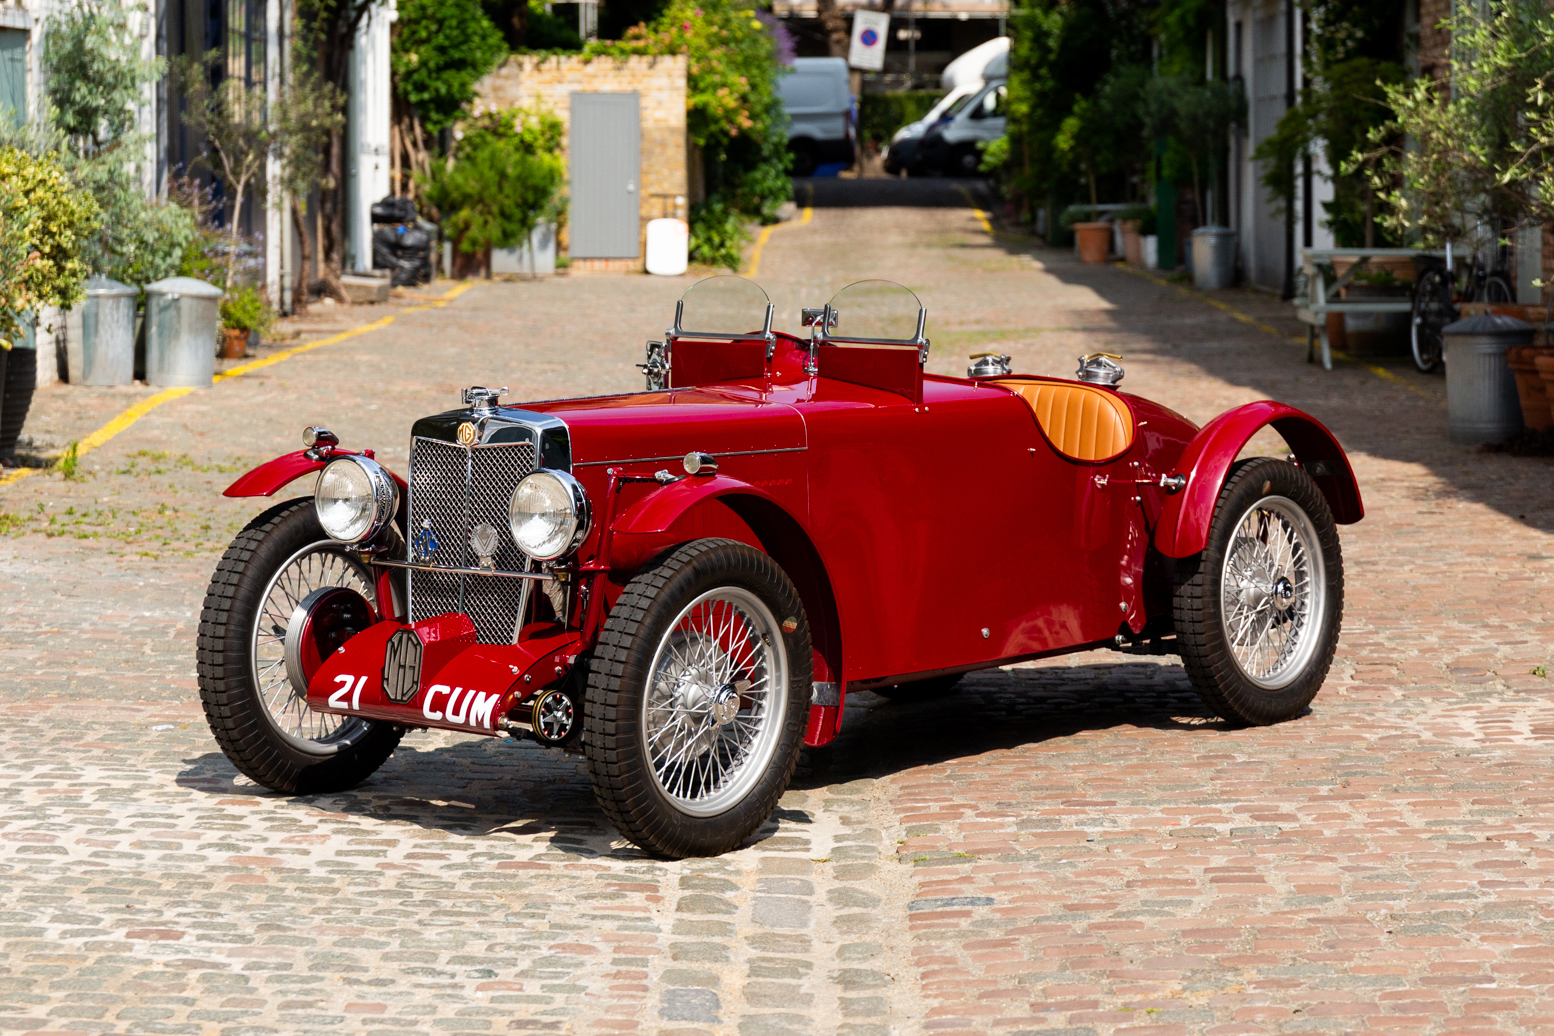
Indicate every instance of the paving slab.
{"type": "Point", "coordinates": [1069, 846]}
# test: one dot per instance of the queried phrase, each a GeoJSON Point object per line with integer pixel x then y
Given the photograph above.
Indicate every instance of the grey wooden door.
{"type": "Point", "coordinates": [606, 158]}
{"type": "Point", "coordinates": [13, 76]}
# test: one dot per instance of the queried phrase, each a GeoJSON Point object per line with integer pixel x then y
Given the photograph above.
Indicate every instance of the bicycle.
{"type": "Point", "coordinates": [1436, 303]}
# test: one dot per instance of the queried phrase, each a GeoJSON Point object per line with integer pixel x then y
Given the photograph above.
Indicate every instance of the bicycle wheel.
{"type": "Point", "coordinates": [1497, 289]}
{"type": "Point", "coordinates": [1433, 310]}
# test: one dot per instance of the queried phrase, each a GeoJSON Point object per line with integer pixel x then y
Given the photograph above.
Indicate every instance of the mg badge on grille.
{"type": "Point", "coordinates": [402, 666]}
{"type": "Point", "coordinates": [484, 541]}
{"type": "Point", "coordinates": [467, 434]}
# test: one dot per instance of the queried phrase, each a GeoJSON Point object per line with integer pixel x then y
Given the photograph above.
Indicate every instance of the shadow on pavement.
{"type": "Point", "coordinates": [884, 192]}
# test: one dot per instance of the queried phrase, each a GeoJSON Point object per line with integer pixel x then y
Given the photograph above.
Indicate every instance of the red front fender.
{"type": "Point", "coordinates": [660, 510]}
{"type": "Point", "coordinates": [1184, 521]}
{"type": "Point", "coordinates": [270, 476]}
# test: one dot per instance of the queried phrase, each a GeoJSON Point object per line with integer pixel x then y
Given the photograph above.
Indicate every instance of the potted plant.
{"type": "Point", "coordinates": [244, 312]}
{"type": "Point", "coordinates": [1098, 139]}
{"type": "Point", "coordinates": [1135, 222]}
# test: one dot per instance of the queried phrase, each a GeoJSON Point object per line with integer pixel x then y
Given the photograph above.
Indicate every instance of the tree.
{"type": "Point", "coordinates": [1480, 150]}
{"type": "Point", "coordinates": [95, 80]}
{"type": "Point", "coordinates": [441, 49]}
{"type": "Point", "coordinates": [1200, 116]}
{"type": "Point", "coordinates": [324, 35]}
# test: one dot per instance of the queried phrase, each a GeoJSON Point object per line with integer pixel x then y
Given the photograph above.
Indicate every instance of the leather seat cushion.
{"type": "Point", "coordinates": [1084, 422]}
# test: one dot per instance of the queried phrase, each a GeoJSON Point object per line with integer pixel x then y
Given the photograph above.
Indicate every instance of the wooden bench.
{"type": "Point", "coordinates": [1322, 298]}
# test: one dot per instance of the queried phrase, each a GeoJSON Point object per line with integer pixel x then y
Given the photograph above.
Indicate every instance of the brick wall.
{"type": "Point", "coordinates": [659, 82]}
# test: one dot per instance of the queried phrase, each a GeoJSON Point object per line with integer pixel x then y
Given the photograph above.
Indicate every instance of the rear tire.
{"type": "Point", "coordinates": [1258, 611]}
{"type": "Point", "coordinates": [804, 162]}
{"type": "Point", "coordinates": [260, 720]}
{"type": "Point", "coordinates": [698, 694]}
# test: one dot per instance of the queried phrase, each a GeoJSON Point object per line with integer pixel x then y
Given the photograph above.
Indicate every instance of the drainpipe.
{"type": "Point", "coordinates": [1288, 291]}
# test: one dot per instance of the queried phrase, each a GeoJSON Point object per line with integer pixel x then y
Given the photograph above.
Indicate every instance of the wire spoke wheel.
{"type": "Point", "coordinates": [1258, 612]}
{"type": "Point", "coordinates": [1271, 591]}
{"type": "Point", "coordinates": [711, 719]}
{"type": "Point", "coordinates": [314, 567]}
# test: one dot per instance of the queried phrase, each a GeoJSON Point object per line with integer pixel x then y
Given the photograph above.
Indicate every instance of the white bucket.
{"type": "Point", "coordinates": [668, 246]}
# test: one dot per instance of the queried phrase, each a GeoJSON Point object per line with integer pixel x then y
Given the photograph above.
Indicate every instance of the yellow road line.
{"type": "Point", "coordinates": [1338, 354]}
{"type": "Point", "coordinates": [766, 235]}
{"type": "Point", "coordinates": [981, 215]}
{"type": "Point", "coordinates": [150, 403]}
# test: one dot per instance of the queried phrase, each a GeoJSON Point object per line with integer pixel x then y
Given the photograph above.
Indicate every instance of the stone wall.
{"type": "Point", "coordinates": [659, 82]}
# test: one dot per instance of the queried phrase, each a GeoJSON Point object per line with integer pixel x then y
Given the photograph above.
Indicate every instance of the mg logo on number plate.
{"type": "Point", "coordinates": [402, 667]}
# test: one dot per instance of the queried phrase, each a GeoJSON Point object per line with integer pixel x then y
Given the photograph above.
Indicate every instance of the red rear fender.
{"type": "Point", "coordinates": [1184, 521]}
{"type": "Point", "coordinates": [272, 475]}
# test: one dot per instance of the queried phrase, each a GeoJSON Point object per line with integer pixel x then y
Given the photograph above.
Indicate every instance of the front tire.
{"type": "Point", "coordinates": [1258, 611]}
{"type": "Point", "coordinates": [259, 717]}
{"type": "Point", "coordinates": [697, 698]}
{"type": "Point", "coordinates": [1433, 310]}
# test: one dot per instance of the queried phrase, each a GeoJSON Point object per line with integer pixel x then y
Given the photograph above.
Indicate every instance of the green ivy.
{"type": "Point", "coordinates": [442, 48]}
{"type": "Point", "coordinates": [44, 223]}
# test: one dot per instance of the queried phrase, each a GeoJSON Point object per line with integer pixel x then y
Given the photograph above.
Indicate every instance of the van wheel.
{"type": "Point", "coordinates": [804, 162]}
{"type": "Point", "coordinates": [967, 161]}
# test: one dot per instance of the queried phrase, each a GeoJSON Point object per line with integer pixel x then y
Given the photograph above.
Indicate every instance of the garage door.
{"type": "Point", "coordinates": [606, 159]}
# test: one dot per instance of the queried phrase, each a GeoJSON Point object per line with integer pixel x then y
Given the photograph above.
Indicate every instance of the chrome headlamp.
{"type": "Point", "coordinates": [355, 499]}
{"type": "Point", "coordinates": [548, 514]}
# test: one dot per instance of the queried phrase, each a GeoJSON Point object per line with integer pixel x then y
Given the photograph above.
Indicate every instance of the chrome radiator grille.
{"type": "Point", "coordinates": [456, 489]}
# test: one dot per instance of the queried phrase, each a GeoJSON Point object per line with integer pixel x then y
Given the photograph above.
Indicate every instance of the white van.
{"type": "Point", "coordinates": [953, 145]}
{"type": "Point", "coordinates": [901, 154]}
{"type": "Point", "coordinates": [816, 97]}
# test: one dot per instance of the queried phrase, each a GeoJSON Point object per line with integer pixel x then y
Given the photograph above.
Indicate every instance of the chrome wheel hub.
{"type": "Point", "coordinates": [716, 697]}
{"type": "Point", "coordinates": [314, 567]}
{"type": "Point", "coordinates": [1273, 592]}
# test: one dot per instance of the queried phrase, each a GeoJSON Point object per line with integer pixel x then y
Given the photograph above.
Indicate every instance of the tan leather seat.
{"type": "Point", "coordinates": [1083, 421]}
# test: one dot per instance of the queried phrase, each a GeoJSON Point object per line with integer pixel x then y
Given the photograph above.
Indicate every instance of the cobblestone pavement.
{"type": "Point", "coordinates": [1068, 847]}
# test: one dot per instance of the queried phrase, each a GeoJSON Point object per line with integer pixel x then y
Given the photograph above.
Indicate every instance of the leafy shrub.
{"type": "Point", "coordinates": [718, 234]}
{"type": "Point", "coordinates": [504, 179]}
{"type": "Point", "coordinates": [1145, 214]}
{"type": "Point", "coordinates": [880, 115]}
{"type": "Point", "coordinates": [246, 309]}
{"type": "Point", "coordinates": [44, 223]}
{"type": "Point", "coordinates": [442, 48]}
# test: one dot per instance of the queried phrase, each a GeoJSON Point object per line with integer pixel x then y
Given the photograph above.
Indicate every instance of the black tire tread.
{"type": "Point", "coordinates": [1205, 652]}
{"type": "Point", "coordinates": [621, 782]}
{"type": "Point", "coordinates": [226, 690]}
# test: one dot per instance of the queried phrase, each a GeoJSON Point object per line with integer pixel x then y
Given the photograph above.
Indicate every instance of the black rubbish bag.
{"type": "Point", "coordinates": [393, 210]}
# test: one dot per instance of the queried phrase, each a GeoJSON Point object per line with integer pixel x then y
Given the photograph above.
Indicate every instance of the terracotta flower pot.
{"type": "Point", "coordinates": [1132, 241]}
{"type": "Point", "coordinates": [1095, 241]}
{"type": "Point", "coordinates": [234, 343]}
{"type": "Point", "coordinates": [1530, 387]}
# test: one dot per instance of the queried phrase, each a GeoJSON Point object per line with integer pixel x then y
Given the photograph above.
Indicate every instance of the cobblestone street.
{"type": "Point", "coordinates": [1071, 847]}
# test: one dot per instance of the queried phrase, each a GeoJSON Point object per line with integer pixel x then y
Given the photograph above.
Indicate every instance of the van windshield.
{"type": "Point", "coordinates": [959, 105]}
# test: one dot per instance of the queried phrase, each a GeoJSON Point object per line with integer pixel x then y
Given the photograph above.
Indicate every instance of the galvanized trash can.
{"type": "Point", "coordinates": [1481, 401]}
{"type": "Point", "coordinates": [1214, 257]}
{"type": "Point", "coordinates": [108, 332]}
{"type": "Point", "coordinates": [181, 321]}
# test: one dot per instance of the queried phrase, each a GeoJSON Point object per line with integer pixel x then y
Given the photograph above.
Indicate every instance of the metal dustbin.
{"type": "Point", "coordinates": [1481, 401]}
{"type": "Point", "coordinates": [1214, 257]}
{"type": "Point", "coordinates": [181, 320]}
{"type": "Point", "coordinates": [108, 332]}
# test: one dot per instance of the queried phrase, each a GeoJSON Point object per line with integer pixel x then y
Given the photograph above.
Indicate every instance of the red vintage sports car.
{"type": "Point", "coordinates": [684, 583]}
